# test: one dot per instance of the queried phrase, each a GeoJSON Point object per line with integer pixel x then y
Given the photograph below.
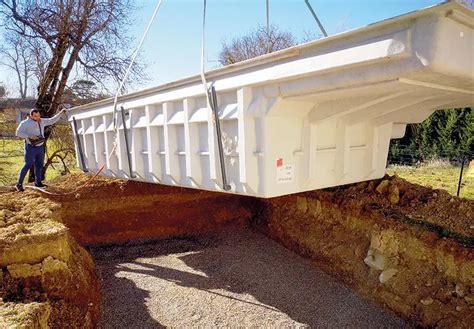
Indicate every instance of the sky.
{"type": "Point", "coordinates": [172, 48]}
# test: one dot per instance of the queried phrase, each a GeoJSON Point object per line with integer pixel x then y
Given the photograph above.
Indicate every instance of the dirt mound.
{"type": "Point", "coordinates": [45, 275]}
{"type": "Point", "coordinates": [395, 198]}
{"type": "Point", "coordinates": [20, 209]}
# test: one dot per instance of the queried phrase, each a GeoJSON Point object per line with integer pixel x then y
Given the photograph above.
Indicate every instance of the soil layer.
{"type": "Point", "coordinates": [399, 244]}
{"type": "Point", "coordinates": [45, 276]}
{"type": "Point", "coordinates": [114, 211]}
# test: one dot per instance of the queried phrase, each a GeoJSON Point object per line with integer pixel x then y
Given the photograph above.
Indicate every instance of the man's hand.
{"type": "Point", "coordinates": [65, 113]}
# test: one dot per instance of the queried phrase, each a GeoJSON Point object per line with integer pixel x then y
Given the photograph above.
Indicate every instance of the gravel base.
{"type": "Point", "coordinates": [236, 278]}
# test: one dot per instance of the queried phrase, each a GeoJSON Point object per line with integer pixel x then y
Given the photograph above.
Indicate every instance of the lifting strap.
{"type": "Point", "coordinates": [79, 145]}
{"type": "Point", "coordinates": [212, 104]}
{"type": "Point", "coordinates": [127, 147]}
{"type": "Point", "coordinates": [217, 122]}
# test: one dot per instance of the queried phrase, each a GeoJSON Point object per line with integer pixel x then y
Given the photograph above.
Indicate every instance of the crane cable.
{"type": "Point", "coordinates": [267, 7]}
{"type": "Point", "coordinates": [134, 56]}
{"type": "Point", "coordinates": [316, 18]}
{"type": "Point", "coordinates": [202, 72]}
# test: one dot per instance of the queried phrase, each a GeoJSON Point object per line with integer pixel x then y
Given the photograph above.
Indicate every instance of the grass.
{"type": "Point", "coordinates": [11, 151]}
{"type": "Point", "coordinates": [12, 160]}
{"type": "Point", "coordinates": [438, 176]}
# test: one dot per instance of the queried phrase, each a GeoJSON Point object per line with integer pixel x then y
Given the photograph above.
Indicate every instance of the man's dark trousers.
{"type": "Point", "coordinates": [33, 155]}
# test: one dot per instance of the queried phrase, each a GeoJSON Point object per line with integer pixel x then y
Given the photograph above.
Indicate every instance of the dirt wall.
{"type": "Point", "coordinates": [386, 240]}
{"type": "Point", "coordinates": [46, 278]}
{"type": "Point", "coordinates": [115, 211]}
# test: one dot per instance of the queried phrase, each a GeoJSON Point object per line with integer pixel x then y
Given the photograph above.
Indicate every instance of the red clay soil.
{"type": "Point", "coordinates": [113, 210]}
{"type": "Point", "coordinates": [397, 199]}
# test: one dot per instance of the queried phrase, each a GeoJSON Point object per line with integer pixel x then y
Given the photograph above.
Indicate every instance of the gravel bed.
{"type": "Point", "coordinates": [236, 278]}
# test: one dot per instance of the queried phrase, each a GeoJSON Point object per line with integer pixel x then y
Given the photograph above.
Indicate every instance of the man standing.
{"type": "Point", "coordinates": [32, 130]}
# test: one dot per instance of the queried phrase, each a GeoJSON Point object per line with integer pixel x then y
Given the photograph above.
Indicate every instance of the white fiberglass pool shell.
{"type": "Point", "coordinates": [317, 115]}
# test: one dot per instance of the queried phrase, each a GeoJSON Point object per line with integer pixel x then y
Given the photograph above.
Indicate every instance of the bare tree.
{"type": "Point", "coordinates": [257, 42]}
{"type": "Point", "coordinates": [82, 92]}
{"type": "Point", "coordinates": [72, 39]}
{"type": "Point", "coordinates": [41, 58]}
{"type": "Point", "coordinates": [89, 36]}
{"type": "Point", "coordinates": [63, 151]}
{"type": "Point", "coordinates": [16, 54]}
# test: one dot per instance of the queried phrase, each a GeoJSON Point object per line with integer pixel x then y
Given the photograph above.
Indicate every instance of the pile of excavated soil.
{"type": "Point", "coordinates": [45, 276]}
{"type": "Point", "coordinates": [393, 197]}
{"type": "Point", "coordinates": [402, 245]}
{"type": "Point", "coordinates": [103, 187]}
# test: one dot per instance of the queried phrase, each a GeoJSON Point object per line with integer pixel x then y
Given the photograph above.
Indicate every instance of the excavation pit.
{"type": "Point", "coordinates": [186, 257]}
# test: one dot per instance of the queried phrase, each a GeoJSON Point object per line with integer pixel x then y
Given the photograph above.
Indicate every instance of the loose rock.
{"type": "Point", "coordinates": [394, 195]}
{"type": "Point", "coordinates": [375, 260]}
{"type": "Point", "coordinates": [382, 186]}
{"type": "Point", "coordinates": [387, 275]}
{"type": "Point", "coordinates": [460, 290]}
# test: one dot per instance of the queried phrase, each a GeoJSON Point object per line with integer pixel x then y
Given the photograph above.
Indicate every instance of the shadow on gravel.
{"type": "Point", "coordinates": [124, 306]}
{"type": "Point", "coordinates": [235, 264]}
{"type": "Point", "coordinates": [122, 301]}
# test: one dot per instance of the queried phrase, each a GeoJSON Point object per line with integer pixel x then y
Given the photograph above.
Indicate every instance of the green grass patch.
{"type": "Point", "coordinates": [437, 177]}
{"type": "Point", "coordinates": [12, 160]}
